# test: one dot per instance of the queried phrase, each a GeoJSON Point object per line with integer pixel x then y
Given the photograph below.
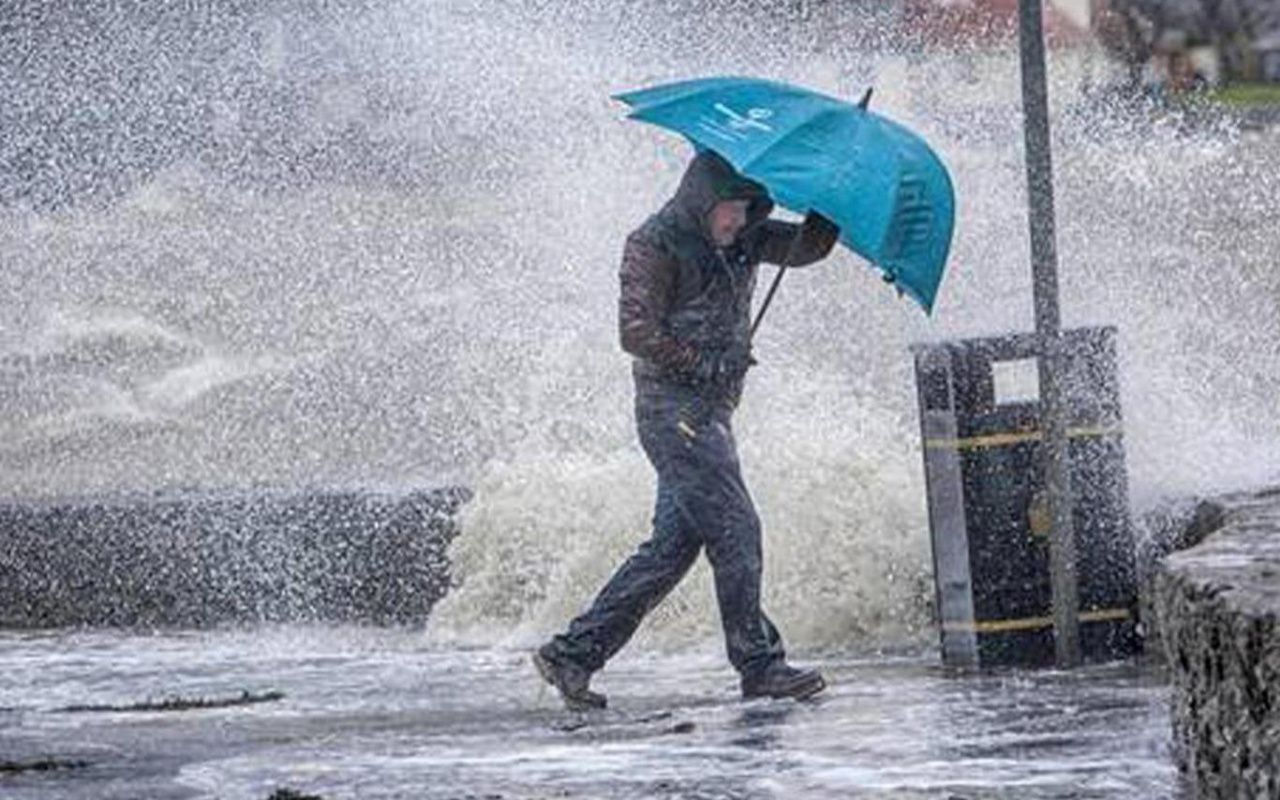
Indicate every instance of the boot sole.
{"type": "Point", "coordinates": [811, 689]}
{"type": "Point", "coordinates": [799, 692]}
{"type": "Point", "coordinates": [573, 702]}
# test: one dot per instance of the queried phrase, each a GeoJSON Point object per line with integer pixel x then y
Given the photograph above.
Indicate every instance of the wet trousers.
{"type": "Point", "coordinates": [702, 503]}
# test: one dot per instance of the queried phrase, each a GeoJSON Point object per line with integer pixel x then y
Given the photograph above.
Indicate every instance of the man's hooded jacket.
{"type": "Point", "coordinates": [682, 298]}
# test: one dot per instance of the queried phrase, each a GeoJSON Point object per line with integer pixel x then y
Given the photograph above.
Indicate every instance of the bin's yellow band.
{"type": "Point", "coordinates": [1032, 623]}
{"type": "Point", "coordinates": [1002, 439]}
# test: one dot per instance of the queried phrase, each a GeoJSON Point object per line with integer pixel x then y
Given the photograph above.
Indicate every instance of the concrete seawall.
{"type": "Point", "coordinates": [196, 560]}
{"type": "Point", "coordinates": [1218, 613]}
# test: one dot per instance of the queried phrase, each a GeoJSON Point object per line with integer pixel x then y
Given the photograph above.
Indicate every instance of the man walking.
{"type": "Point", "coordinates": [687, 278]}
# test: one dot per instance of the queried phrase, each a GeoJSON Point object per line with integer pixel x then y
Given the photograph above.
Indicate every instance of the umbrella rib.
{"type": "Point", "coordinates": [808, 123]}
{"type": "Point", "coordinates": [638, 106]}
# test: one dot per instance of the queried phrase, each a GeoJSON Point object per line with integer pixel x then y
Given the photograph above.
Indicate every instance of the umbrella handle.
{"type": "Point", "coordinates": [782, 270]}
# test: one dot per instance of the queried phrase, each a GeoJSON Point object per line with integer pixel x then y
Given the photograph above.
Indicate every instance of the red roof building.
{"type": "Point", "coordinates": [992, 23]}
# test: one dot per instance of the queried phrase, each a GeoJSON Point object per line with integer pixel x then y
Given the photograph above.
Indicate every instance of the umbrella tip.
{"type": "Point", "coordinates": [866, 99]}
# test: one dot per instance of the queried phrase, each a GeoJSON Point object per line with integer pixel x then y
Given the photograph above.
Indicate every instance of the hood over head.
{"type": "Point", "coordinates": [710, 179]}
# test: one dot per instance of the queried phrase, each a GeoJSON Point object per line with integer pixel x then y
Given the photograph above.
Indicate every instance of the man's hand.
{"type": "Point", "coordinates": [821, 227]}
{"type": "Point", "coordinates": [724, 367]}
{"type": "Point", "coordinates": [735, 361]}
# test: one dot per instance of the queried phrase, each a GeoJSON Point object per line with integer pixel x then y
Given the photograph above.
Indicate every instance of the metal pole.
{"type": "Point", "coordinates": [1044, 267]}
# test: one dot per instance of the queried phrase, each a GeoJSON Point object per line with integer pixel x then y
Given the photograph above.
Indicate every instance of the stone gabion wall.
{"type": "Point", "coordinates": [197, 560]}
{"type": "Point", "coordinates": [1218, 608]}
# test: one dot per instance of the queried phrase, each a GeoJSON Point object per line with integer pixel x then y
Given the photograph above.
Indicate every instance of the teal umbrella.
{"type": "Point", "coordinates": [886, 189]}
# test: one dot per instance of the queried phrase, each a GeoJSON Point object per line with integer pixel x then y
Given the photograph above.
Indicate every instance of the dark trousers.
{"type": "Point", "coordinates": [702, 502]}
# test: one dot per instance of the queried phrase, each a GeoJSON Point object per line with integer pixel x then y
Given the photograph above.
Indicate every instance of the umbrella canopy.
{"type": "Point", "coordinates": [885, 188]}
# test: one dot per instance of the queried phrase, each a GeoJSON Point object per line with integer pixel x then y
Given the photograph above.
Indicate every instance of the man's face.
{"type": "Point", "coordinates": [726, 221]}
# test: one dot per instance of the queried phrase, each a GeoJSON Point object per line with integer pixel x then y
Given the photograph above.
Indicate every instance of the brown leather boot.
{"type": "Point", "coordinates": [569, 679]}
{"type": "Point", "coordinates": [781, 680]}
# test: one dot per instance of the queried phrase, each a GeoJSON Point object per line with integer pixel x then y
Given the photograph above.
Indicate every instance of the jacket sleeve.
{"type": "Point", "coordinates": [817, 236]}
{"type": "Point", "coordinates": [647, 291]}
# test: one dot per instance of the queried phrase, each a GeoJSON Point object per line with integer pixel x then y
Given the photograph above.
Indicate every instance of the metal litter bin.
{"type": "Point", "coordinates": [989, 521]}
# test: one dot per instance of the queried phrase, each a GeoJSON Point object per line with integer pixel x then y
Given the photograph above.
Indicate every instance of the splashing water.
{"type": "Point", "coordinates": [379, 248]}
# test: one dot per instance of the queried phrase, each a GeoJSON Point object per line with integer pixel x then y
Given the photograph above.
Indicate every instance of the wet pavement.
{"type": "Point", "coordinates": [376, 713]}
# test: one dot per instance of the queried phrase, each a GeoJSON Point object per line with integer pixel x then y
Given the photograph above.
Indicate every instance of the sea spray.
{"type": "Point", "coordinates": [378, 247]}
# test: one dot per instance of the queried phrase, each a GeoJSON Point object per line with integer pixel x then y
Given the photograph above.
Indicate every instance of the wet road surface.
{"type": "Point", "coordinates": [381, 714]}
